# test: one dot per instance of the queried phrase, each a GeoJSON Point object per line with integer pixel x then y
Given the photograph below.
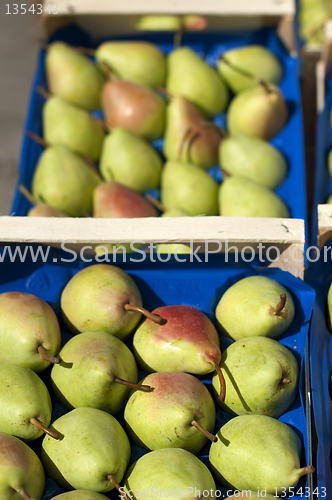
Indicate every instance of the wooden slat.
{"type": "Point", "coordinates": [287, 235]}
{"type": "Point", "coordinates": [235, 7]}
{"type": "Point", "coordinates": [324, 224]}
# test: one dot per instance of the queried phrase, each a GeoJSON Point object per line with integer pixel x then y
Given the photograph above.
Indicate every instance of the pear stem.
{"type": "Point", "coordinates": [265, 87]}
{"type": "Point", "coordinates": [36, 138]}
{"type": "Point", "coordinates": [46, 357]}
{"type": "Point", "coordinates": [281, 304]}
{"type": "Point", "coordinates": [224, 173]}
{"type": "Point", "coordinates": [84, 50]}
{"type": "Point", "coordinates": [93, 167]}
{"type": "Point", "coordinates": [139, 387]}
{"type": "Point", "coordinates": [28, 195]}
{"type": "Point", "coordinates": [44, 92]}
{"type": "Point", "coordinates": [53, 434]}
{"type": "Point", "coordinates": [116, 485]}
{"type": "Point", "coordinates": [178, 36]}
{"type": "Point", "coordinates": [204, 431]}
{"type": "Point", "coordinates": [153, 317]}
{"type": "Point", "coordinates": [163, 91]}
{"type": "Point", "coordinates": [286, 381]}
{"type": "Point", "coordinates": [236, 68]}
{"type": "Point", "coordinates": [184, 139]}
{"type": "Point", "coordinates": [156, 203]}
{"type": "Point", "coordinates": [101, 122]}
{"type": "Point", "coordinates": [190, 143]}
{"type": "Point", "coordinates": [24, 495]}
{"type": "Point", "coordinates": [108, 71]}
{"type": "Point", "coordinates": [221, 379]}
{"type": "Point", "coordinates": [310, 469]}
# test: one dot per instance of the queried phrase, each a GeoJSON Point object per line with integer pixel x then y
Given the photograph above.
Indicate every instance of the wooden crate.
{"type": "Point", "coordinates": [101, 18]}
{"type": "Point", "coordinates": [324, 225]}
{"type": "Point", "coordinates": [287, 235]}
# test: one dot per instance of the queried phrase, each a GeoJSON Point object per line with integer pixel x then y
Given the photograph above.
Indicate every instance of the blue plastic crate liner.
{"type": "Point", "coordinates": [197, 284]}
{"type": "Point", "coordinates": [289, 141]}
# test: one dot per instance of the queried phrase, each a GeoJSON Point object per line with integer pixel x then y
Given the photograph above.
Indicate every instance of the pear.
{"type": "Point", "coordinates": [97, 370]}
{"type": "Point", "coordinates": [68, 125]}
{"type": "Point", "coordinates": [114, 200]}
{"type": "Point", "coordinates": [134, 107]}
{"type": "Point", "coordinates": [21, 472]}
{"type": "Point", "coordinates": [254, 159]}
{"type": "Point", "coordinates": [92, 454]}
{"type": "Point", "coordinates": [245, 67]}
{"type": "Point", "coordinates": [329, 300]}
{"type": "Point", "coordinates": [329, 162]}
{"type": "Point", "coordinates": [186, 341]}
{"type": "Point", "coordinates": [73, 76]}
{"type": "Point", "coordinates": [137, 61]}
{"type": "Point", "coordinates": [241, 197]}
{"type": "Point", "coordinates": [39, 209]}
{"type": "Point", "coordinates": [130, 160]}
{"type": "Point", "coordinates": [255, 306]}
{"type": "Point", "coordinates": [25, 403]}
{"type": "Point", "coordinates": [169, 470]}
{"type": "Point", "coordinates": [260, 111]}
{"type": "Point", "coordinates": [179, 413]}
{"type": "Point", "coordinates": [175, 212]}
{"type": "Point", "coordinates": [101, 298]}
{"type": "Point", "coordinates": [29, 331]}
{"type": "Point", "coordinates": [189, 188]}
{"type": "Point", "coordinates": [254, 452]}
{"type": "Point", "coordinates": [64, 181]}
{"type": "Point", "coordinates": [172, 248]}
{"type": "Point", "coordinates": [189, 137]}
{"type": "Point", "coordinates": [159, 22]}
{"type": "Point", "coordinates": [191, 77]}
{"type": "Point", "coordinates": [261, 377]}
{"type": "Point", "coordinates": [80, 495]}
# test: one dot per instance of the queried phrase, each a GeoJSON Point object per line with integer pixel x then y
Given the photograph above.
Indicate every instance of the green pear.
{"type": "Point", "coordinates": [21, 472]}
{"type": "Point", "coordinates": [68, 125]}
{"type": "Point", "coordinates": [329, 298]}
{"type": "Point", "coordinates": [254, 159]}
{"type": "Point", "coordinates": [25, 402]}
{"type": "Point", "coordinates": [39, 209]}
{"type": "Point", "coordinates": [175, 212]}
{"type": "Point", "coordinates": [73, 76]}
{"type": "Point", "coordinates": [92, 454]}
{"type": "Point", "coordinates": [260, 111]}
{"type": "Point", "coordinates": [261, 377]}
{"type": "Point", "coordinates": [254, 452]}
{"type": "Point", "coordinates": [329, 200]}
{"type": "Point", "coordinates": [172, 248]}
{"type": "Point", "coordinates": [134, 107]}
{"type": "Point", "coordinates": [191, 77]}
{"type": "Point", "coordinates": [97, 370]}
{"type": "Point", "coordinates": [189, 137]}
{"type": "Point", "coordinates": [329, 163]}
{"type": "Point", "coordinates": [186, 341]}
{"type": "Point", "coordinates": [179, 413]}
{"type": "Point", "coordinates": [158, 22]}
{"type": "Point", "coordinates": [245, 67]}
{"type": "Point", "coordinates": [114, 200]}
{"type": "Point", "coordinates": [255, 306]}
{"type": "Point", "coordinates": [139, 62]}
{"type": "Point", "coordinates": [80, 495]}
{"type": "Point", "coordinates": [189, 188]}
{"type": "Point", "coordinates": [241, 197]}
{"type": "Point", "coordinates": [29, 331]}
{"type": "Point", "coordinates": [130, 160]}
{"type": "Point", "coordinates": [64, 181]}
{"type": "Point", "coordinates": [169, 470]}
{"type": "Point", "coordinates": [97, 298]}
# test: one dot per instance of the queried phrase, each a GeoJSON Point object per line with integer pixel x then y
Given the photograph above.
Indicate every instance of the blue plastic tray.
{"type": "Point", "coordinates": [196, 284]}
{"type": "Point", "coordinates": [289, 141]}
{"type": "Point", "coordinates": [319, 276]}
{"type": "Point", "coordinates": [323, 181]}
